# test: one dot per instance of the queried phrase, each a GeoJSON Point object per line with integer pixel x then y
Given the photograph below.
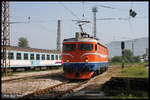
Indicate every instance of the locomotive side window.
{"type": "Point", "coordinates": [95, 47]}
{"type": "Point", "coordinates": [25, 56]}
{"type": "Point", "coordinates": [11, 55]}
{"type": "Point", "coordinates": [32, 57]}
{"type": "Point", "coordinates": [69, 47]}
{"type": "Point", "coordinates": [85, 47]}
{"type": "Point", "coordinates": [18, 56]}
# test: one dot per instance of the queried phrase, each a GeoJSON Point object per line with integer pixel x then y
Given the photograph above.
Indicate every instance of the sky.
{"type": "Point", "coordinates": [41, 30]}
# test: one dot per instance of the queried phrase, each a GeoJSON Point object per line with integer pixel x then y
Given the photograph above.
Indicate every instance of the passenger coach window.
{"type": "Point", "coordinates": [69, 47]}
{"type": "Point", "coordinates": [32, 56]}
{"type": "Point", "coordinates": [37, 56]}
{"type": "Point", "coordinates": [25, 56]}
{"type": "Point", "coordinates": [48, 57]}
{"type": "Point", "coordinates": [52, 57]}
{"type": "Point", "coordinates": [85, 47]}
{"type": "Point", "coordinates": [11, 55]}
{"type": "Point", "coordinates": [18, 56]}
{"type": "Point", "coordinates": [59, 57]}
{"type": "Point", "coordinates": [43, 57]}
{"type": "Point", "coordinates": [56, 57]}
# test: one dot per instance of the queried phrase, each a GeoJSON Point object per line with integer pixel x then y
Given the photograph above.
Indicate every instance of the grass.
{"type": "Point", "coordinates": [137, 71]}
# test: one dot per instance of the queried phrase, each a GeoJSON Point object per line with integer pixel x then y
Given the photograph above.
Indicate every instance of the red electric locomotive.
{"type": "Point", "coordinates": [83, 56]}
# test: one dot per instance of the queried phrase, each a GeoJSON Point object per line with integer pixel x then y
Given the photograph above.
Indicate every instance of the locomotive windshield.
{"type": "Point", "coordinates": [69, 47]}
{"type": "Point", "coordinates": [85, 47]}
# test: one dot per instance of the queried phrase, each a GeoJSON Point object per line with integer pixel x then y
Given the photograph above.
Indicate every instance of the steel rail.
{"type": "Point", "coordinates": [26, 77]}
{"type": "Point", "coordinates": [43, 90]}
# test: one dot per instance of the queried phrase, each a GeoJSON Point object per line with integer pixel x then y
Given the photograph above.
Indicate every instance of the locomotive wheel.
{"type": "Point", "coordinates": [101, 70]}
{"type": "Point", "coordinates": [94, 74]}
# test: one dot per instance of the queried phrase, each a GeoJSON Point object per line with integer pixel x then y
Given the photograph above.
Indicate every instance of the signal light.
{"type": "Point", "coordinates": [122, 45]}
{"type": "Point", "coordinates": [132, 13]}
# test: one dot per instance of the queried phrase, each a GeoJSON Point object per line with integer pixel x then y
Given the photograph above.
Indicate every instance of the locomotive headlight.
{"type": "Point", "coordinates": [67, 60]}
{"type": "Point", "coordinates": [86, 59]}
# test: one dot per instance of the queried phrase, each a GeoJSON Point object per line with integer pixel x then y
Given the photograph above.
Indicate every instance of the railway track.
{"type": "Point", "coordinates": [55, 91]}
{"type": "Point", "coordinates": [34, 76]}
{"type": "Point", "coordinates": [26, 77]}
{"type": "Point", "coordinates": [58, 90]}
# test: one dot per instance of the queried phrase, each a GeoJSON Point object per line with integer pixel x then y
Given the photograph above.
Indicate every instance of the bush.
{"type": "Point", "coordinates": [116, 59]}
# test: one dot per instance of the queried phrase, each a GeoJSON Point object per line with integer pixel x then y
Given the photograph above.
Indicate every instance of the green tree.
{"type": "Point", "coordinates": [136, 59]}
{"type": "Point", "coordinates": [116, 59]}
{"type": "Point", "coordinates": [128, 55]}
{"type": "Point", "coordinates": [23, 42]}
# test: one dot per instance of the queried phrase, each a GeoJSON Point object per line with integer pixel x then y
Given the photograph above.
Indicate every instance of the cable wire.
{"type": "Point", "coordinates": [71, 12]}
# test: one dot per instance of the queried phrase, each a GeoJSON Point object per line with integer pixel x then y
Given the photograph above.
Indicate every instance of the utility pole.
{"type": "Point", "coordinates": [59, 36]}
{"type": "Point", "coordinates": [94, 10]}
{"type": "Point", "coordinates": [5, 35]}
{"type": "Point", "coordinates": [133, 47]}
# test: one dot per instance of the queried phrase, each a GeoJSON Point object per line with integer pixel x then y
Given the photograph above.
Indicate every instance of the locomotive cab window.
{"type": "Point", "coordinates": [69, 47]}
{"type": "Point", "coordinates": [85, 47]}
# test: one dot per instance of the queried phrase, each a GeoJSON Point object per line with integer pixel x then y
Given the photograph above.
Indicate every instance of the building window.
{"type": "Point", "coordinates": [43, 57]}
{"type": "Point", "coordinates": [18, 56]}
{"type": "Point", "coordinates": [25, 56]}
{"type": "Point", "coordinates": [32, 56]}
{"type": "Point", "coordinates": [48, 57]}
{"type": "Point", "coordinates": [37, 56]}
{"type": "Point", "coordinates": [11, 55]}
{"type": "Point", "coordinates": [52, 57]}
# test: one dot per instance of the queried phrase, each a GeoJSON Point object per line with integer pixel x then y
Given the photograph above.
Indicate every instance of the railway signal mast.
{"type": "Point", "coordinates": [5, 35]}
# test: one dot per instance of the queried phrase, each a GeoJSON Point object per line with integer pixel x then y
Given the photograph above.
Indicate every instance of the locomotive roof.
{"type": "Point", "coordinates": [80, 40]}
{"type": "Point", "coordinates": [87, 38]}
{"type": "Point", "coordinates": [31, 49]}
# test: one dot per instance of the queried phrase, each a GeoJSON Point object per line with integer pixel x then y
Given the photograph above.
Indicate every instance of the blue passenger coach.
{"type": "Point", "coordinates": [31, 58]}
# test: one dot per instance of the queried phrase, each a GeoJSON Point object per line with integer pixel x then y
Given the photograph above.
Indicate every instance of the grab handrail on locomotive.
{"type": "Point", "coordinates": [83, 56]}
